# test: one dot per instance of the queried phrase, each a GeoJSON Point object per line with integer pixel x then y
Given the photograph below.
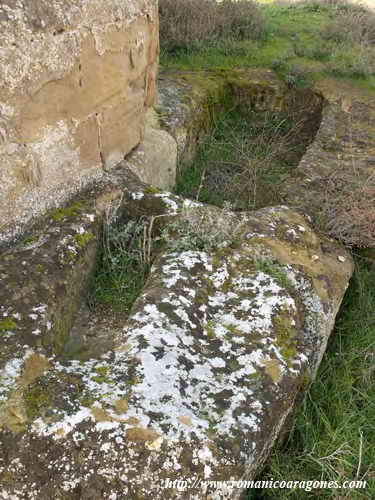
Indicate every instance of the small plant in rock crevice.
{"type": "Point", "coordinates": [124, 265]}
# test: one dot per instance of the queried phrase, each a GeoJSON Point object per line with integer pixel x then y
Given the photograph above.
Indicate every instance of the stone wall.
{"type": "Point", "coordinates": [76, 80]}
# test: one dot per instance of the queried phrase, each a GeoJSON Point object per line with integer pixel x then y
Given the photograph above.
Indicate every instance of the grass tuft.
{"type": "Point", "coordinates": [123, 266]}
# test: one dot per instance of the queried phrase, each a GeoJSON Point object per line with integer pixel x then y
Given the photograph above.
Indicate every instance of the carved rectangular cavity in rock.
{"type": "Point", "coordinates": [188, 100]}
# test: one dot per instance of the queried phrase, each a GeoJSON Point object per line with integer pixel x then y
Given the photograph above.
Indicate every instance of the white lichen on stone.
{"type": "Point", "coordinates": [137, 196]}
{"type": "Point", "coordinates": [172, 205]}
{"type": "Point", "coordinates": [10, 373]}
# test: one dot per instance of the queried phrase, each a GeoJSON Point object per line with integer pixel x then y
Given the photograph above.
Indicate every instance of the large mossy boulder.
{"type": "Point", "coordinates": [203, 374]}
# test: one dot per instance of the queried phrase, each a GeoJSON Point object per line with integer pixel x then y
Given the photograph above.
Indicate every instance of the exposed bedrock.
{"type": "Point", "coordinates": [199, 380]}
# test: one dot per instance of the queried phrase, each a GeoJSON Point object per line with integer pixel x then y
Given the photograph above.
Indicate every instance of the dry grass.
{"type": "Point", "coordinates": [189, 24]}
{"type": "Point", "coordinates": [353, 24]}
{"type": "Point", "coordinates": [348, 207]}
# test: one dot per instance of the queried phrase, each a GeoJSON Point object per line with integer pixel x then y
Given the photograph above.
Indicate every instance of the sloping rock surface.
{"type": "Point", "coordinates": [201, 376]}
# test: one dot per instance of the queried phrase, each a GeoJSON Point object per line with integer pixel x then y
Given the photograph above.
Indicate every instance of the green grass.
{"type": "Point", "coordinates": [334, 432]}
{"type": "Point", "coordinates": [299, 35]}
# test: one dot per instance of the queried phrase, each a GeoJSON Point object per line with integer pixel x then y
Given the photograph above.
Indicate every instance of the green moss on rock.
{"type": "Point", "coordinates": [70, 211]}
{"type": "Point", "coordinates": [276, 271]}
{"type": "Point", "coordinates": [102, 374]}
{"type": "Point", "coordinates": [285, 335]}
{"type": "Point", "coordinates": [30, 239]}
{"type": "Point", "coordinates": [234, 330]}
{"type": "Point", "coordinates": [37, 399]}
{"type": "Point", "coordinates": [7, 324]}
{"type": "Point", "coordinates": [152, 190]}
{"type": "Point", "coordinates": [83, 239]}
{"type": "Point", "coordinates": [53, 394]}
{"type": "Point", "coordinates": [39, 268]}
{"type": "Point", "coordinates": [210, 330]}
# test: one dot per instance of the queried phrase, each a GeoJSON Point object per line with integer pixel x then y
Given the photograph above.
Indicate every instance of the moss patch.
{"type": "Point", "coordinates": [30, 239]}
{"type": "Point", "coordinates": [285, 334]}
{"type": "Point", "coordinates": [83, 239]}
{"type": "Point", "coordinates": [70, 211]}
{"type": "Point", "coordinates": [37, 399]}
{"type": "Point", "coordinates": [152, 190]}
{"type": "Point", "coordinates": [102, 374]}
{"type": "Point", "coordinates": [7, 324]}
{"type": "Point", "coordinates": [209, 328]}
{"type": "Point", "coordinates": [276, 271]}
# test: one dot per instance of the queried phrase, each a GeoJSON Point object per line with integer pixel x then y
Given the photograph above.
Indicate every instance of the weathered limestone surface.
{"type": "Point", "coordinates": [45, 276]}
{"type": "Point", "coordinates": [202, 375]}
{"type": "Point", "coordinates": [76, 79]}
{"type": "Point", "coordinates": [155, 159]}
